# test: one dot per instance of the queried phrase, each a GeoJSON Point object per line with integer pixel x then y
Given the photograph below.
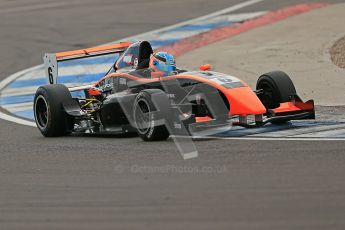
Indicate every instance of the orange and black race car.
{"type": "Point", "coordinates": [133, 98]}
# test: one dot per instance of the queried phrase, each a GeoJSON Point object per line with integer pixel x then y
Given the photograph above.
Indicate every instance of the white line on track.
{"type": "Point", "coordinates": [322, 134]}
{"type": "Point", "coordinates": [18, 107]}
{"type": "Point", "coordinates": [273, 138]}
{"type": "Point", "coordinates": [5, 82]}
{"type": "Point", "coordinates": [11, 78]}
{"type": "Point", "coordinates": [300, 131]}
{"type": "Point", "coordinates": [17, 120]}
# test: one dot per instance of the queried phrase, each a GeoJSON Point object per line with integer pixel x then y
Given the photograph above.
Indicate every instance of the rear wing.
{"type": "Point", "coordinates": [52, 60]}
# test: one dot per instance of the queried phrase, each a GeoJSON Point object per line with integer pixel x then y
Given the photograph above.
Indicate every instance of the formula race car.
{"type": "Point", "coordinates": [132, 98]}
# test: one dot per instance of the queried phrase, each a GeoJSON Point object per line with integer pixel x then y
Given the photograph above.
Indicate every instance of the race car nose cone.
{"type": "Point", "coordinates": [243, 101]}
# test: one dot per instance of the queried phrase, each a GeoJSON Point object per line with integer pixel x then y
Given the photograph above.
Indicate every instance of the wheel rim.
{"type": "Point", "coordinates": [268, 97]}
{"type": "Point", "coordinates": [41, 112]}
{"type": "Point", "coordinates": [142, 116]}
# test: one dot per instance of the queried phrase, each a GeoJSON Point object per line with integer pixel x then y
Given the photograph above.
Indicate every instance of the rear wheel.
{"type": "Point", "coordinates": [148, 112]}
{"type": "Point", "coordinates": [50, 117]}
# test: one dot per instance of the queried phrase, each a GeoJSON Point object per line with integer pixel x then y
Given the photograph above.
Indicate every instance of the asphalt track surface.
{"type": "Point", "coordinates": [83, 182]}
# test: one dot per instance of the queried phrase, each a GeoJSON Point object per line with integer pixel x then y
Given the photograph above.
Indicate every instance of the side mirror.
{"type": "Point", "coordinates": [94, 92]}
{"type": "Point", "coordinates": [205, 67]}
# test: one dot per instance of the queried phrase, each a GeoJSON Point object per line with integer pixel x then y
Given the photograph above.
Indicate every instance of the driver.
{"type": "Point", "coordinates": [163, 62]}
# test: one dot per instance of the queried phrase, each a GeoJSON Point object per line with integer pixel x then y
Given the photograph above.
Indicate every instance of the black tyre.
{"type": "Point", "coordinates": [50, 117]}
{"type": "Point", "coordinates": [146, 115]}
{"type": "Point", "coordinates": [277, 88]}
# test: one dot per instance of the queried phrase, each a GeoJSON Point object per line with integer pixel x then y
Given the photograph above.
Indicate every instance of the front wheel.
{"type": "Point", "coordinates": [276, 87]}
{"type": "Point", "coordinates": [151, 108]}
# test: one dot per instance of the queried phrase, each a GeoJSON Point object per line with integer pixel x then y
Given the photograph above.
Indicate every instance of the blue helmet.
{"type": "Point", "coordinates": [164, 62]}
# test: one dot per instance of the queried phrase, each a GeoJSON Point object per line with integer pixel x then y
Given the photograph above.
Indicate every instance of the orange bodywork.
{"type": "Point", "coordinates": [243, 101]}
{"type": "Point", "coordinates": [287, 106]}
{"type": "Point", "coordinates": [294, 106]}
{"type": "Point", "coordinates": [205, 67]}
{"type": "Point", "coordinates": [121, 45]}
